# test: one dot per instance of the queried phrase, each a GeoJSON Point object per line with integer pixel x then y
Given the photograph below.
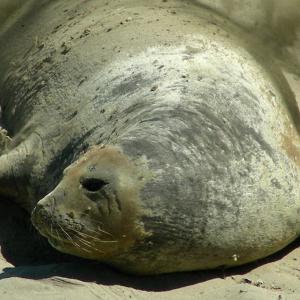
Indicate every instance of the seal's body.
{"type": "Point", "coordinates": [154, 133]}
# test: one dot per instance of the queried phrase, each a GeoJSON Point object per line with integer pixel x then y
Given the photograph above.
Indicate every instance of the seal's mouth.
{"type": "Point", "coordinates": [51, 224]}
{"type": "Point", "coordinates": [68, 236]}
{"type": "Point", "coordinates": [57, 242]}
{"type": "Point", "coordinates": [81, 244]}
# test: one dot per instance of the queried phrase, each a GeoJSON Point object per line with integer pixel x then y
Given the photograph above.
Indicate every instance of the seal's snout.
{"type": "Point", "coordinates": [41, 215]}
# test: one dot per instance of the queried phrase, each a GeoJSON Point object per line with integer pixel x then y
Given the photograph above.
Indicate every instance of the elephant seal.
{"type": "Point", "coordinates": [157, 138]}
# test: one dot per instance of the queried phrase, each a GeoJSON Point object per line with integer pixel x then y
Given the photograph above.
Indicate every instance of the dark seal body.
{"type": "Point", "coordinates": [159, 140]}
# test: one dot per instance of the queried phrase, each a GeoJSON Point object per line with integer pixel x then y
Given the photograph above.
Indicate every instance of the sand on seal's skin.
{"type": "Point", "coordinates": [277, 277]}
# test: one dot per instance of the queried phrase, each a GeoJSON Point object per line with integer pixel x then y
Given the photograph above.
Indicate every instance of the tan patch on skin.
{"type": "Point", "coordinates": [291, 144]}
{"type": "Point", "coordinates": [122, 224]}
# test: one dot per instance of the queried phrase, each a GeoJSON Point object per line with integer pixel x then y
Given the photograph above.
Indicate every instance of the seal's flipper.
{"type": "Point", "coordinates": [5, 141]}
{"type": "Point", "coordinates": [7, 160]}
{"type": "Point", "coordinates": [10, 168]}
{"type": "Point", "coordinates": [15, 166]}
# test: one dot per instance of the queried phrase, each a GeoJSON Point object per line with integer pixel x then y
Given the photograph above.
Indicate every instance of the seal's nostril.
{"type": "Point", "coordinates": [39, 215]}
{"type": "Point", "coordinates": [93, 184]}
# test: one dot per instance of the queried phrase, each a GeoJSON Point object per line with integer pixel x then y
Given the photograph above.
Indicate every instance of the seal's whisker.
{"type": "Point", "coordinates": [57, 235]}
{"type": "Point", "coordinates": [95, 238]}
{"type": "Point", "coordinates": [71, 240]}
{"type": "Point", "coordinates": [62, 231]}
{"type": "Point", "coordinates": [84, 235]}
{"type": "Point", "coordinates": [82, 238]}
{"type": "Point", "coordinates": [83, 248]}
{"type": "Point", "coordinates": [99, 230]}
{"type": "Point", "coordinates": [88, 244]}
{"type": "Point", "coordinates": [82, 241]}
{"type": "Point", "coordinates": [68, 236]}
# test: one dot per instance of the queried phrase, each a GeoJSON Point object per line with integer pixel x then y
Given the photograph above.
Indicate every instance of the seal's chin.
{"type": "Point", "coordinates": [72, 247]}
{"type": "Point", "coordinates": [64, 236]}
{"type": "Point", "coordinates": [69, 247]}
{"type": "Point", "coordinates": [58, 243]}
{"type": "Point", "coordinates": [73, 236]}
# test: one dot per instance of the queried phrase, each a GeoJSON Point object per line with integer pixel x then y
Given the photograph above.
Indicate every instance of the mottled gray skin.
{"type": "Point", "coordinates": [159, 140]}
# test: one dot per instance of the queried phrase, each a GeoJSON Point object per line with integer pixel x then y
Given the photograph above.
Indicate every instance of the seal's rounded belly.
{"type": "Point", "coordinates": [158, 144]}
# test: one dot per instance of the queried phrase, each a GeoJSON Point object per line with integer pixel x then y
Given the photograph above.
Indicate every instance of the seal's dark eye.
{"type": "Point", "coordinates": [93, 184]}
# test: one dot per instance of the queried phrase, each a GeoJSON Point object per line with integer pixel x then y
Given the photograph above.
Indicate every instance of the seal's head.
{"type": "Point", "coordinates": [94, 210]}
